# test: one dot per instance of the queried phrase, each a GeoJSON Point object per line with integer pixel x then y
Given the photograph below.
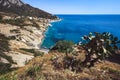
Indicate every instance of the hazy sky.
{"type": "Point", "coordinates": [77, 6]}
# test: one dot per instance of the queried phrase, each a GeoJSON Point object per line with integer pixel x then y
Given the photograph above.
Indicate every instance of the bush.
{"type": "Point", "coordinates": [32, 71]}
{"type": "Point", "coordinates": [64, 46]}
{"type": "Point", "coordinates": [99, 46]}
{"type": "Point", "coordinates": [15, 31]}
{"type": "Point", "coordinates": [35, 25]}
{"type": "Point", "coordinates": [12, 37]}
{"type": "Point", "coordinates": [17, 22]}
{"type": "Point", "coordinates": [67, 62]}
{"type": "Point", "coordinates": [28, 50]}
{"type": "Point", "coordinates": [4, 45]}
{"type": "Point", "coordinates": [38, 53]}
{"type": "Point", "coordinates": [35, 52]}
{"type": "Point", "coordinates": [4, 68]}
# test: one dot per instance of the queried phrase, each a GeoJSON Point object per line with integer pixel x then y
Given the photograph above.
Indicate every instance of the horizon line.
{"type": "Point", "coordinates": [86, 14]}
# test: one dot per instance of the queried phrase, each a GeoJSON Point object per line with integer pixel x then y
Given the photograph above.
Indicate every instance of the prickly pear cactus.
{"type": "Point", "coordinates": [98, 47]}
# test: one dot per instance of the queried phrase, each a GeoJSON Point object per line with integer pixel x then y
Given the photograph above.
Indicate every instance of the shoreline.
{"type": "Point", "coordinates": [27, 37]}
{"type": "Point", "coordinates": [49, 24]}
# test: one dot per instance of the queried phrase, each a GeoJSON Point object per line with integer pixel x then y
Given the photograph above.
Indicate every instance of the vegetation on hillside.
{"type": "Point", "coordinates": [42, 68]}
{"type": "Point", "coordinates": [97, 47]}
{"type": "Point", "coordinates": [19, 22]}
{"type": "Point", "coordinates": [4, 43]}
{"type": "Point", "coordinates": [4, 47]}
{"type": "Point", "coordinates": [64, 46]}
{"type": "Point", "coordinates": [33, 51]}
{"type": "Point", "coordinates": [65, 63]}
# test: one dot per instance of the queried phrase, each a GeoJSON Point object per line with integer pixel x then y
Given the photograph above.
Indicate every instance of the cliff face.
{"type": "Point", "coordinates": [22, 9]}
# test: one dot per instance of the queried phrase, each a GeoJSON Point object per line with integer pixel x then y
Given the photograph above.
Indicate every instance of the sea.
{"type": "Point", "coordinates": [73, 27]}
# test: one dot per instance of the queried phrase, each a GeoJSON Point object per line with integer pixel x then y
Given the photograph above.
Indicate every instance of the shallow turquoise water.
{"type": "Point", "coordinates": [73, 27]}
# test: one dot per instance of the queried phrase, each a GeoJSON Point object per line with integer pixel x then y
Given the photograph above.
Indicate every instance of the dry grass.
{"type": "Point", "coordinates": [102, 71]}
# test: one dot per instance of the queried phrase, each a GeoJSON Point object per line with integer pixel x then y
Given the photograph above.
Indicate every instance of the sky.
{"type": "Point", "coordinates": [77, 6]}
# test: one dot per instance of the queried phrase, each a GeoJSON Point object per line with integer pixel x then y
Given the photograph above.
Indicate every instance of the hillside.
{"type": "Point", "coordinates": [21, 58]}
{"type": "Point", "coordinates": [22, 9]}
{"type": "Point", "coordinates": [22, 30]}
{"type": "Point", "coordinates": [43, 68]}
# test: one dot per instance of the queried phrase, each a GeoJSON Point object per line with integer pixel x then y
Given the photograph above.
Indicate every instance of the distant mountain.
{"type": "Point", "coordinates": [20, 8]}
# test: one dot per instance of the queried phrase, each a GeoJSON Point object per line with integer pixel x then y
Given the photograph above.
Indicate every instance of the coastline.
{"type": "Point", "coordinates": [49, 24]}
{"type": "Point", "coordinates": [28, 37]}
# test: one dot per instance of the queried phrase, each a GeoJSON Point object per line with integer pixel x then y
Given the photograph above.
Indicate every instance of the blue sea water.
{"type": "Point", "coordinates": [73, 27]}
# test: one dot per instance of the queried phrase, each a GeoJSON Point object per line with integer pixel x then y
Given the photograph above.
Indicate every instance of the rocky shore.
{"type": "Point", "coordinates": [28, 36]}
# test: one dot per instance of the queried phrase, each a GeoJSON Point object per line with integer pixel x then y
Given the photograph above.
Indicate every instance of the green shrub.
{"type": "Point", "coordinates": [38, 53]}
{"type": "Point", "coordinates": [28, 50]}
{"type": "Point", "coordinates": [17, 22]}
{"type": "Point", "coordinates": [35, 52]}
{"type": "Point", "coordinates": [64, 46]}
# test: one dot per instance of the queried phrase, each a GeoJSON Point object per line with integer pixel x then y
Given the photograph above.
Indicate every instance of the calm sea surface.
{"type": "Point", "coordinates": [73, 27]}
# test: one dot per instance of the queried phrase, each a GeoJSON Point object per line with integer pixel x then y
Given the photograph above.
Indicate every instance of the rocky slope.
{"type": "Point", "coordinates": [20, 8]}
{"type": "Point", "coordinates": [22, 36]}
{"type": "Point", "coordinates": [21, 31]}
